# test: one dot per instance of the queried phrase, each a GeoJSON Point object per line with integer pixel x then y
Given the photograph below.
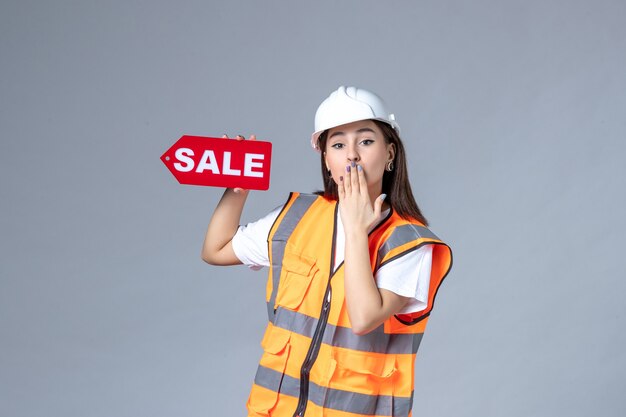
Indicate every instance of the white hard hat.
{"type": "Point", "coordinates": [347, 105]}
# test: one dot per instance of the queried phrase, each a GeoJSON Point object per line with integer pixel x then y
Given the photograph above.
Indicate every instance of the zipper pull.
{"type": "Point", "coordinates": [326, 304]}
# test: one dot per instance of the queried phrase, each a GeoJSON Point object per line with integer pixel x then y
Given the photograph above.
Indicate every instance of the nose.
{"type": "Point", "coordinates": [353, 156]}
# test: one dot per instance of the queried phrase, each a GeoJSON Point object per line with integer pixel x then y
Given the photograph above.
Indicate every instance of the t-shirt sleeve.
{"type": "Point", "coordinates": [408, 276]}
{"type": "Point", "coordinates": [250, 241]}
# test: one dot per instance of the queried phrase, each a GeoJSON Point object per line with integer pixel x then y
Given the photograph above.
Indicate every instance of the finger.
{"type": "Point", "coordinates": [224, 136]}
{"type": "Point", "coordinates": [341, 189]}
{"type": "Point", "coordinates": [354, 178]}
{"type": "Point", "coordinates": [252, 137]}
{"type": "Point", "coordinates": [378, 205]}
{"type": "Point", "coordinates": [348, 181]}
{"type": "Point", "coordinates": [240, 137]}
{"type": "Point", "coordinates": [361, 178]}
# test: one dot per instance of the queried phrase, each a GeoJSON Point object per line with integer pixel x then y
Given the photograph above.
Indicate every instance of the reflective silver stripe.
{"type": "Point", "coordinates": [277, 382]}
{"type": "Point", "coordinates": [402, 235]}
{"type": "Point", "coordinates": [271, 379]}
{"type": "Point", "coordinates": [347, 401]}
{"type": "Point", "coordinates": [376, 341]}
{"type": "Point", "coordinates": [279, 241]}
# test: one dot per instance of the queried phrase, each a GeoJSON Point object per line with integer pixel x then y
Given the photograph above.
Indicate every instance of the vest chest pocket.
{"type": "Point", "coordinates": [298, 271]}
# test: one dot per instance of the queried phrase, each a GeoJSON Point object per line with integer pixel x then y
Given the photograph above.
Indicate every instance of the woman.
{"type": "Point", "coordinates": [353, 272]}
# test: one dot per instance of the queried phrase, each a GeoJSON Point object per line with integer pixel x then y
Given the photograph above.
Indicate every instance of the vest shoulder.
{"type": "Point", "coordinates": [296, 195]}
{"type": "Point", "coordinates": [299, 193]}
{"type": "Point", "coordinates": [411, 228]}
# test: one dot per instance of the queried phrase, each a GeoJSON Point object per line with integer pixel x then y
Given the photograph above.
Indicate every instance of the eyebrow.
{"type": "Point", "coordinates": [364, 129]}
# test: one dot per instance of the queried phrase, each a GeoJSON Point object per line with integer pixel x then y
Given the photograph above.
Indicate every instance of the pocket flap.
{"type": "Point", "coordinates": [382, 366]}
{"type": "Point", "coordinates": [276, 340]}
{"type": "Point", "coordinates": [383, 369]}
{"type": "Point", "coordinates": [299, 263]}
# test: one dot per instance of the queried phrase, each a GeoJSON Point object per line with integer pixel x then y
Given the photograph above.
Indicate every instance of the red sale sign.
{"type": "Point", "coordinates": [218, 162]}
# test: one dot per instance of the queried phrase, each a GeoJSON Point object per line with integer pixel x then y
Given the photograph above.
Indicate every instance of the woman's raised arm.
{"type": "Point", "coordinates": [217, 248]}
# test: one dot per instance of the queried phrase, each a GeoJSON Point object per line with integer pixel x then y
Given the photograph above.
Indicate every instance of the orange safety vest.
{"type": "Point", "coordinates": [313, 364]}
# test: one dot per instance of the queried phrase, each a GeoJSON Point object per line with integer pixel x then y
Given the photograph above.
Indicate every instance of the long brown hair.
{"type": "Point", "coordinates": [395, 182]}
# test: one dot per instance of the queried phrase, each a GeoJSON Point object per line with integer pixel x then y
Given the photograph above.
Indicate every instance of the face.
{"type": "Point", "coordinates": [364, 143]}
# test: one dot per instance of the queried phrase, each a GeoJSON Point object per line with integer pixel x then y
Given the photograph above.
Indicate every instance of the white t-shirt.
{"type": "Point", "coordinates": [408, 275]}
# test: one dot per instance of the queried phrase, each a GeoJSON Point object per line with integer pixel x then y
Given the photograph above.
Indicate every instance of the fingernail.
{"type": "Point", "coordinates": [383, 196]}
{"type": "Point", "coordinates": [352, 163]}
{"type": "Point", "coordinates": [348, 168]}
{"type": "Point", "coordinates": [359, 167]}
{"type": "Point", "coordinates": [241, 136]}
{"type": "Point", "coordinates": [341, 178]}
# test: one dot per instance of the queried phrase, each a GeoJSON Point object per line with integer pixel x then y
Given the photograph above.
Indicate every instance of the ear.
{"type": "Point", "coordinates": [325, 161]}
{"type": "Point", "coordinates": [391, 150]}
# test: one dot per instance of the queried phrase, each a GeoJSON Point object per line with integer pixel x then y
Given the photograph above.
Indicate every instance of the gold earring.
{"type": "Point", "coordinates": [389, 166]}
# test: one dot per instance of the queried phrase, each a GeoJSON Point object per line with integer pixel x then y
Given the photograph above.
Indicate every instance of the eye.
{"type": "Point", "coordinates": [367, 141]}
{"type": "Point", "coordinates": [337, 145]}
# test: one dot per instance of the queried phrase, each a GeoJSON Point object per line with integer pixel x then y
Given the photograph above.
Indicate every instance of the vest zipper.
{"type": "Point", "coordinates": [316, 341]}
{"type": "Point", "coordinates": [311, 356]}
